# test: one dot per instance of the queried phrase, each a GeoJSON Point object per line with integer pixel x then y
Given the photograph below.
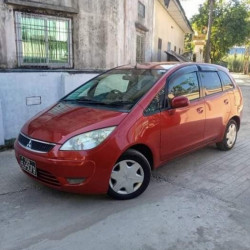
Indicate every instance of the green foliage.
{"type": "Point", "coordinates": [200, 21]}
{"type": "Point", "coordinates": [231, 26]}
{"type": "Point", "coordinates": [188, 44]}
{"type": "Point", "coordinates": [235, 62]}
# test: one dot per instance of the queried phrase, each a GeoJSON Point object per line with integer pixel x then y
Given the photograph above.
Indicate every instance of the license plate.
{"type": "Point", "coordinates": [28, 165]}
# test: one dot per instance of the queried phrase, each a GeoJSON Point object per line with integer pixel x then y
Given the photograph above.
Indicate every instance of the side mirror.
{"type": "Point", "coordinates": [180, 102]}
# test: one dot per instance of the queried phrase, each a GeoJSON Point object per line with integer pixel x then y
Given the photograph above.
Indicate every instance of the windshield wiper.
{"type": "Point", "coordinates": [84, 100]}
{"type": "Point", "coordinates": [90, 101]}
{"type": "Point", "coordinates": [120, 103]}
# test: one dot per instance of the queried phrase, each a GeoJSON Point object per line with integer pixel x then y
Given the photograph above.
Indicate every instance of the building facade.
{"type": "Point", "coordinates": [199, 41]}
{"type": "Point", "coordinates": [170, 27]}
{"type": "Point", "coordinates": [49, 47]}
{"type": "Point", "coordinates": [75, 34]}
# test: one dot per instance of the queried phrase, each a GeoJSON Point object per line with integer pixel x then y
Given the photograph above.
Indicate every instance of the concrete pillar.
{"type": "Point", "coordinates": [1, 126]}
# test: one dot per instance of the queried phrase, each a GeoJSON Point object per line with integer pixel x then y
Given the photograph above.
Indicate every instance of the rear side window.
{"type": "Point", "coordinates": [226, 81]}
{"type": "Point", "coordinates": [184, 85]}
{"type": "Point", "coordinates": [211, 82]}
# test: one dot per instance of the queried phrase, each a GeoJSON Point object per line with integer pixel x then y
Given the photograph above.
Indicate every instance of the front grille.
{"type": "Point", "coordinates": [47, 177]}
{"type": "Point", "coordinates": [35, 145]}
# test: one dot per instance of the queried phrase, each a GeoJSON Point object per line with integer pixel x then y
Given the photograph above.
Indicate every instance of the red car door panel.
{"type": "Point", "coordinates": [182, 129]}
{"type": "Point", "coordinates": [217, 114]}
{"type": "Point", "coordinates": [217, 105]}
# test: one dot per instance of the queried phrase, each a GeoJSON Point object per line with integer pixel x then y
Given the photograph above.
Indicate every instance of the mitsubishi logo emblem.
{"type": "Point", "coordinates": [29, 144]}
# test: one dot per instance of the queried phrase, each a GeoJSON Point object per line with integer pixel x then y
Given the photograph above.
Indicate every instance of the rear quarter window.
{"type": "Point", "coordinates": [211, 82]}
{"type": "Point", "coordinates": [226, 81]}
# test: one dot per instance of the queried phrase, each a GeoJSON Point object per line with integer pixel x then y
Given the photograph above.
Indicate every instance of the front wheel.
{"type": "Point", "coordinates": [230, 136]}
{"type": "Point", "coordinates": [130, 176]}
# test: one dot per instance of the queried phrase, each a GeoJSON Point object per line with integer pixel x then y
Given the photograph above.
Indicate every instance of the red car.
{"type": "Point", "coordinates": [110, 133]}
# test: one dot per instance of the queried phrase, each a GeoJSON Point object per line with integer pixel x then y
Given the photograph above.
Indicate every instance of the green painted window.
{"type": "Point", "coordinates": [43, 40]}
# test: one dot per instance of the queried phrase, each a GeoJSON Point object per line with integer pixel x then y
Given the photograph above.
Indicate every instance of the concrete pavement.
{"type": "Point", "coordinates": [199, 201]}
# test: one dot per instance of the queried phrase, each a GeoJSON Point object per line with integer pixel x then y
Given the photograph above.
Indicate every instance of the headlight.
{"type": "Point", "coordinates": [87, 140]}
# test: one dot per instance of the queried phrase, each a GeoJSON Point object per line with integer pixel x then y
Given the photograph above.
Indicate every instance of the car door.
{"type": "Point", "coordinates": [217, 105]}
{"type": "Point", "coordinates": [228, 87]}
{"type": "Point", "coordinates": [182, 129]}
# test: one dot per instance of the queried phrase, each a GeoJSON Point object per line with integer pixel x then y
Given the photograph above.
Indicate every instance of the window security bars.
{"type": "Point", "coordinates": [43, 40]}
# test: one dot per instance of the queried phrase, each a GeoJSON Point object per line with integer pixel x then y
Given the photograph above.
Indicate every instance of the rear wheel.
{"type": "Point", "coordinates": [230, 136]}
{"type": "Point", "coordinates": [130, 176]}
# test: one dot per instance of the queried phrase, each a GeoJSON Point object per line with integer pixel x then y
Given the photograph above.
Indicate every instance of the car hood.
{"type": "Point", "coordinates": [65, 120]}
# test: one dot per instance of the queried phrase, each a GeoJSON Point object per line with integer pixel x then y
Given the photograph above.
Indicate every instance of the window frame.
{"type": "Point", "coordinates": [169, 46]}
{"type": "Point", "coordinates": [20, 57]}
{"type": "Point", "coordinates": [141, 7]}
{"type": "Point", "coordinates": [159, 50]}
{"type": "Point", "coordinates": [142, 47]}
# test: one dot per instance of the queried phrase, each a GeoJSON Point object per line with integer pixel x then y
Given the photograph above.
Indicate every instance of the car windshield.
{"type": "Point", "coordinates": [118, 89]}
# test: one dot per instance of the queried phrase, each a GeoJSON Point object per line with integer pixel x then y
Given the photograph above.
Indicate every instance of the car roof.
{"type": "Point", "coordinates": [150, 65]}
{"type": "Point", "coordinates": [168, 65]}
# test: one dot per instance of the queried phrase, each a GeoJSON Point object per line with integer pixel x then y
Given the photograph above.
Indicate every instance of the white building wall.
{"type": "Point", "coordinates": [168, 30]}
{"type": "Point", "coordinates": [104, 32]}
{"type": "Point", "coordinates": [15, 88]}
{"type": "Point", "coordinates": [198, 51]}
{"type": "Point", "coordinates": [1, 125]}
{"type": "Point", "coordinates": [8, 55]}
{"type": "Point", "coordinates": [130, 31]}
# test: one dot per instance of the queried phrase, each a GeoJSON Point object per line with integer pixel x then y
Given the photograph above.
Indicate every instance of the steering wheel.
{"type": "Point", "coordinates": [116, 92]}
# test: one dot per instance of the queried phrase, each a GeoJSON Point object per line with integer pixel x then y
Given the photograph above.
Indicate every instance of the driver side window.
{"type": "Point", "coordinates": [184, 85]}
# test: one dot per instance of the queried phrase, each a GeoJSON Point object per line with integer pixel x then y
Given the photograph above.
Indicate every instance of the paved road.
{"type": "Point", "coordinates": [200, 201]}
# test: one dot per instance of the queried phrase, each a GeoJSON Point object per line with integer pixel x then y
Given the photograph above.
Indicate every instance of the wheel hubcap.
{"type": "Point", "coordinates": [126, 177]}
{"type": "Point", "coordinates": [231, 135]}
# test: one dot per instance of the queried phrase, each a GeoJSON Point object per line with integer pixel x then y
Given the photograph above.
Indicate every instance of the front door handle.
{"type": "Point", "coordinates": [226, 101]}
{"type": "Point", "coordinates": [200, 110]}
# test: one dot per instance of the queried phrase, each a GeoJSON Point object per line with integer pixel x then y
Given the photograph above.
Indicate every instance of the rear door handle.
{"type": "Point", "coordinates": [200, 110]}
{"type": "Point", "coordinates": [226, 101]}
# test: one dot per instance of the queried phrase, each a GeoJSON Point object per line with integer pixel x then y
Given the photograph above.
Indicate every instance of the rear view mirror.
{"type": "Point", "coordinates": [180, 102]}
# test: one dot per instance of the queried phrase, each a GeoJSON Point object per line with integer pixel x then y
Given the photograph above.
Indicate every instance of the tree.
{"type": "Point", "coordinates": [210, 23]}
{"type": "Point", "coordinates": [231, 26]}
{"type": "Point", "coordinates": [246, 58]}
{"type": "Point", "coordinates": [188, 44]}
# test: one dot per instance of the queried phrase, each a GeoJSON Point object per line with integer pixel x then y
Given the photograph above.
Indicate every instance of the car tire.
{"type": "Point", "coordinates": [130, 176]}
{"type": "Point", "coordinates": [230, 136]}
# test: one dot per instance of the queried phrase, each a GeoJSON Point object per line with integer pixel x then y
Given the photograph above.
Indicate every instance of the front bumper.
{"type": "Point", "coordinates": [56, 167]}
